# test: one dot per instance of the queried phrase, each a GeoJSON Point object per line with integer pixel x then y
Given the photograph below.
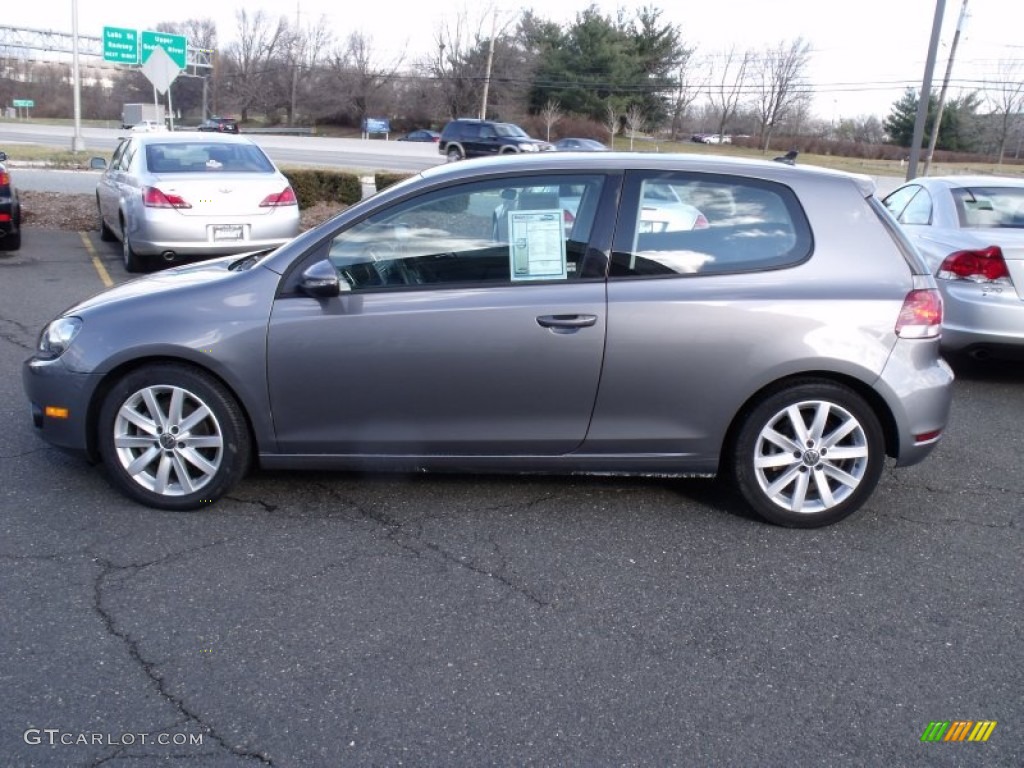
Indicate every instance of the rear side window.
{"type": "Point", "coordinates": [674, 224]}
{"type": "Point", "coordinates": [910, 205]}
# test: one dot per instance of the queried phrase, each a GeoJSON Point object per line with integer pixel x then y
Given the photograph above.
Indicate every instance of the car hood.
{"type": "Point", "coordinates": [169, 281]}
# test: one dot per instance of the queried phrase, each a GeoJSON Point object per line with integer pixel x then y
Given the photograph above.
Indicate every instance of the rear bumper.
{"type": "Point", "coordinates": [918, 387]}
{"type": "Point", "coordinates": [978, 315]}
{"type": "Point", "coordinates": [193, 238]}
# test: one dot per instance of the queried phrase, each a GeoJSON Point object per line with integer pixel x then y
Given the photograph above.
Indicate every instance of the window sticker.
{"type": "Point", "coordinates": [537, 245]}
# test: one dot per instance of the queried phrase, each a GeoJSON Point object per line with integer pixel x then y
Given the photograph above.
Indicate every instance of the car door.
{"type": "Point", "coordinates": [446, 341]}
{"type": "Point", "coordinates": [108, 189]}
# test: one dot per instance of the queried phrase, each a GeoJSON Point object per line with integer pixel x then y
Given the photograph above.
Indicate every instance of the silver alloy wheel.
{"type": "Point", "coordinates": [168, 440]}
{"type": "Point", "coordinates": [811, 456]}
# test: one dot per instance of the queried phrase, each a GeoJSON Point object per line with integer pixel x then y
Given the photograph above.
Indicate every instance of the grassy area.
{"type": "Point", "coordinates": [50, 157]}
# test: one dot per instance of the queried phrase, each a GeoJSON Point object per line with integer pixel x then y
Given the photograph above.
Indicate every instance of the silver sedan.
{"type": "Point", "coordinates": [970, 231]}
{"type": "Point", "coordinates": [177, 196]}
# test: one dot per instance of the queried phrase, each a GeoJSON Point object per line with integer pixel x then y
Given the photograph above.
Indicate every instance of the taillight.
{"type": "Point", "coordinates": [921, 315]}
{"type": "Point", "coordinates": [983, 266]}
{"type": "Point", "coordinates": [5, 179]}
{"type": "Point", "coordinates": [567, 218]}
{"type": "Point", "coordinates": [285, 197]}
{"type": "Point", "coordinates": [154, 198]}
{"type": "Point", "coordinates": [5, 217]}
{"type": "Point", "coordinates": [701, 222]}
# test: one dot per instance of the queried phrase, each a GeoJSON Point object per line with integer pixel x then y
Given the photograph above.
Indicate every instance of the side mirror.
{"type": "Point", "coordinates": [98, 164]}
{"type": "Point", "coordinates": [321, 281]}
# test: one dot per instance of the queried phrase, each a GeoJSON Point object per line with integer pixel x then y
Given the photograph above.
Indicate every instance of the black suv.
{"type": "Point", "coordinates": [220, 125]}
{"type": "Point", "coordinates": [481, 138]}
{"type": "Point", "coordinates": [10, 210]}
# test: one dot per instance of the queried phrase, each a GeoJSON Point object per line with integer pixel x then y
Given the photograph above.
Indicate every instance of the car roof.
{"type": "Point", "coordinates": [969, 181]}
{"type": "Point", "coordinates": [576, 162]}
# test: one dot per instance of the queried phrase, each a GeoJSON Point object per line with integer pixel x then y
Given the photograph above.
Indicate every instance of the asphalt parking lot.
{"type": "Point", "coordinates": [342, 619]}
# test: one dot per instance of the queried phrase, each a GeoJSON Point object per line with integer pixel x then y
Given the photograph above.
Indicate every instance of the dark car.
{"type": "Point", "coordinates": [466, 137]}
{"type": "Point", "coordinates": [790, 346]}
{"type": "Point", "coordinates": [580, 145]}
{"type": "Point", "coordinates": [219, 125]}
{"type": "Point", "coordinates": [10, 210]}
{"type": "Point", "coordinates": [421, 135]}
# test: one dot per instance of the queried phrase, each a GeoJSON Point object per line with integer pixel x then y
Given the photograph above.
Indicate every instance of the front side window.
{"type": "Point", "coordinates": [699, 224]}
{"type": "Point", "coordinates": [501, 231]}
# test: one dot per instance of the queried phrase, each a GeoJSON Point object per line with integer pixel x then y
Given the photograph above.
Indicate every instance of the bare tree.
{"type": "Point", "coordinates": [779, 77]}
{"type": "Point", "coordinates": [635, 121]}
{"type": "Point", "coordinates": [613, 123]}
{"type": "Point", "coordinates": [686, 89]}
{"type": "Point", "coordinates": [551, 114]}
{"type": "Point", "coordinates": [359, 78]}
{"type": "Point", "coordinates": [252, 58]}
{"type": "Point", "coordinates": [1006, 95]}
{"type": "Point", "coordinates": [727, 82]}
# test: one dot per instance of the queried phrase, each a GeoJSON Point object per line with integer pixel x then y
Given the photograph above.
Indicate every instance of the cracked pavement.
{"type": "Point", "coordinates": [316, 619]}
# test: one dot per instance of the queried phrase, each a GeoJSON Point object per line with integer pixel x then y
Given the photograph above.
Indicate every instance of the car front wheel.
{"type": "Point", "coordinates": [173, 437]}
{"type": "Point", "coordinates": [808, 455]}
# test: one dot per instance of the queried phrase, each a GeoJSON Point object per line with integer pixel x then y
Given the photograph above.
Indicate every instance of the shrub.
{"type": "Point", "coordinates": [316, 185]}
{"type": "Point", "coordinates": [384, 179]}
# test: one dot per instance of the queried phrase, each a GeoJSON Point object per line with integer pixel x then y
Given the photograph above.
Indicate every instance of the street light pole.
{"type": "Point", "coordinates": [77, 143]}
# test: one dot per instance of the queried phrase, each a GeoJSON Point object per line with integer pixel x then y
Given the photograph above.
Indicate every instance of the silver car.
{"type": "Point", "coordinates": [970, 231]}
{"type": "Point", "coordinates": [789, 346]}
{"type": "Point", "coordinates": [174, 196]}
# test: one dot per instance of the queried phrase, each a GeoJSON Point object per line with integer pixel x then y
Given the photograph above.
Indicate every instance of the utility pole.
{"type": "Point", "coordinates": [926, 91]}
{"type": "Point", "coordinates": [937, 125]}
{"type": "Point", "coordinates": [490, 61]}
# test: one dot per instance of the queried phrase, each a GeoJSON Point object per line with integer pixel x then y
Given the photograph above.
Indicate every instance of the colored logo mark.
{"type": "Point", "coordinates": [958, 730]}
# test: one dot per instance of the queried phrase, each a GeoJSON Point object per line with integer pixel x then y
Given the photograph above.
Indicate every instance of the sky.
{"type": "Point", "coordinates": [864, 54]}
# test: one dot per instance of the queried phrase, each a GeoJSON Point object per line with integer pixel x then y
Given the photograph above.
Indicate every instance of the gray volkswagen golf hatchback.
{"type": "Point", "coordinates": [527, 314]}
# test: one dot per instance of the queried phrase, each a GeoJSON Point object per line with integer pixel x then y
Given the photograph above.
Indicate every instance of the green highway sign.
{"type": "Point", "coordinates": [120, 45]}
{"type": "Point", "coordinates": [174, 45]}
{"type": "Point", "coordinates": [26, 103]}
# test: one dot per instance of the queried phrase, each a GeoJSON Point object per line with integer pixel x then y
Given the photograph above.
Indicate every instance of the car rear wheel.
{"type": "Point", "coordinates": [173, 437]}
{"type": "Point", "coordinates": [454, 155]}
{"type": "Point", "coordinates": [132, 260]}
{"type": "Point", "coordinates": [106, 233]}
{"type": "Point", "coordinates": [808, 455]}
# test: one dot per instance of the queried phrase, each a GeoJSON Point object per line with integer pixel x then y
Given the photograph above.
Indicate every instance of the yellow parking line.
{"type": "Point", "coordinates": [100, 269]}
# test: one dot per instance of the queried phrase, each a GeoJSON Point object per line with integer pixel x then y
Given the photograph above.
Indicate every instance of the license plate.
{"type": "Point", "coordinates": [228, 232]}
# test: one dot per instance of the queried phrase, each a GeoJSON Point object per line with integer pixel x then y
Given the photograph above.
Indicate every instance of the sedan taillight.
{"type": "Point", "coordinates": [285, 197]}
{"type": "Point", "coordinates": [5, 179]}
{"type": "Point", "coordinates": [155, 198]}
{"type": "Point", "coordinates": [921, 315]}
{"type": "Point", "coordinates": [982, 266]}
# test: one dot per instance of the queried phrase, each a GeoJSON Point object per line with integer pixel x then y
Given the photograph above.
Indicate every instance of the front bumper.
{"type": "Point", "coordinates": [60, 400]}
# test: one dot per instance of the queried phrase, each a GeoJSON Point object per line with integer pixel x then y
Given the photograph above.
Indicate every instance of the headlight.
{"type": "Point", "coordinates": [57, 337]}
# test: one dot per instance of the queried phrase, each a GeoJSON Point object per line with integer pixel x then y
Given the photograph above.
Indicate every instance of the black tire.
{"type": "Point", "coordinates": [196, 446]}
{"type": "Point", "coordinates": [454, 154]}
{"type": "Point", "coordinates": [808, 455]}
{"type": "Point", "coordinates": [11, 242]}
{"type": "Point", "coordinates": [132, 261]}
{"type": "Point", "coordinates": [106, 233]}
